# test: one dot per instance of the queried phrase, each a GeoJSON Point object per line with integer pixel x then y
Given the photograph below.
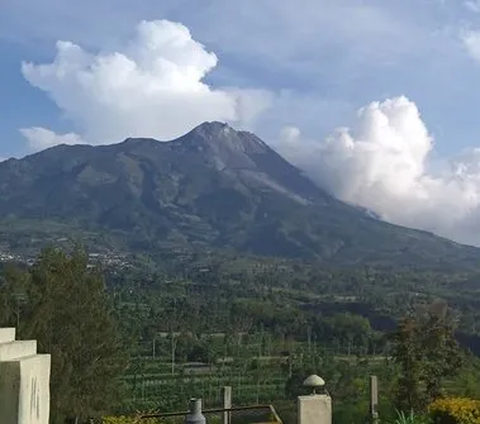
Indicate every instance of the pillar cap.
{"type": "Point", "coordinates": [314, 381]}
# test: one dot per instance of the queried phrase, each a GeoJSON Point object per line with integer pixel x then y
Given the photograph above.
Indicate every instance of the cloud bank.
{"type": "Point", "coordinates": [151, 87]}
{"type": "Point", "coordinates": [382, 163]}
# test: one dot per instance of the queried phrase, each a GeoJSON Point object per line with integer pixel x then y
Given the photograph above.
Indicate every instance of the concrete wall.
{"type": "Point", "coordinates": [24, 381]}
{"type": "Point", "coordinates": [20, 349]}
{"type": "Point", "coordinates": [314, 409]}
{"type": "Point", "coordinates": [7, 335]}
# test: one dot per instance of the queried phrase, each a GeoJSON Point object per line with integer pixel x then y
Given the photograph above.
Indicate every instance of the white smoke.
{"type": "Point", "coordinates": [152, 87]}
{"type": "Point", "coordinates": [382, 163]}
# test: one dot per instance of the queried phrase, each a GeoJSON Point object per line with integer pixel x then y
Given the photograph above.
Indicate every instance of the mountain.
{"type": "Point", "coordinates": [213, 187]}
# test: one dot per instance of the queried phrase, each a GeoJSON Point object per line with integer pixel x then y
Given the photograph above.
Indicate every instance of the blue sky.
{"type": "Point", "coordinates": [339, 53]}
{"type": "Point", "coordinates": [292, 71]}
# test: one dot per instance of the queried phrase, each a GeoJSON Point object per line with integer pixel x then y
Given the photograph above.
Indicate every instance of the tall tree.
{"type": "Point", "coordinates": [407, 354]}
{"type": "Point", "coordinates": [67, 311]}
{"type": "Point", "coordinates": [12, 296]}
{"type": "Point", "coordinates": [426, 351]}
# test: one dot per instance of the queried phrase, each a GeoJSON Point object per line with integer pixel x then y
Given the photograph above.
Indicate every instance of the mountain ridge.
{"type": "Point", "coordinates": [214, 187]}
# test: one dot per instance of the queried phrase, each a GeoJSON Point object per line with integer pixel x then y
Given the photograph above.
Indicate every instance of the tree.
{"type": "Point", "coordinates": [67, 312]}
{"type": "Point", "coordinates": [426, 351]}
{"type": "Point", "coordinates": [12, 296]}
{"type": "Point", "coordinates": [407, 354]}
{"type": "Point", "coordinates": [442, 355]}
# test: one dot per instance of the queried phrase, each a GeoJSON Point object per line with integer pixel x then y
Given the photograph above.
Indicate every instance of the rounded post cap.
{"type": "Point", "coordinates": [314, 381]}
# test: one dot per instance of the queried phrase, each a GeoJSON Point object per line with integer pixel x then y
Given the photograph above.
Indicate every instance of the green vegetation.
{"type": "Point", "coordinates": [62, 304]}
{"type": "Point", "coordinates": [426, 350]}
{"type": "Point", "coordinates": [411, 418]}
{"type": "Point", "coordinates": [455, 410]}
{"type": "Point", "coordinates": [150, 336]}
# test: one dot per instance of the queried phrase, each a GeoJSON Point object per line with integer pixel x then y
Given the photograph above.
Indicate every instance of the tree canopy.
{"type": "Point", "coordinates": [426, 351]}
{"type": "Point", "coordinates": [61, 302]}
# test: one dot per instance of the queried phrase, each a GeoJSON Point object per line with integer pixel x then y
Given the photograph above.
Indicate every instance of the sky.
{"type": "Point", "coordinates": [377, 101]}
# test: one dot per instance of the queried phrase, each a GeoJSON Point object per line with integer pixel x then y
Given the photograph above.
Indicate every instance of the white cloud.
{"type": "Point", "coordinates": [290, 136]}
{"type": "Point", "coordinates": [471, 41]}
{"type": "Point", "coordinates": [41, 138]}
{"type": "Point", "coordinates": [381, 163]}
{"type": "Point", "coordinates": [152, 87]}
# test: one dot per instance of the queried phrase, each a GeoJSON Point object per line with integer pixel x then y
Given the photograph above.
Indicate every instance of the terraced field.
{"type": "Point", "coordinates": [152, 384]}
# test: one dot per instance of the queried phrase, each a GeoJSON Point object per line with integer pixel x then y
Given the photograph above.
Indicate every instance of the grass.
{"type": "Point", "coordinates": [410, 418]}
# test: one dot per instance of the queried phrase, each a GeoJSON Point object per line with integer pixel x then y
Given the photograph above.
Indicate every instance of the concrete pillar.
{"type": "Point", "coordinates": [7, 335]}
{"type": "Point", "coordinates": [24, 381]}
{"type": "Point", "coordinates": [374, 399]}
{"type": "Point", "coordinates": [195, 416]}
{"type": "Point", "coordinates": [227, 403]}
{"type": "Point", "coordinates": [314, 408]}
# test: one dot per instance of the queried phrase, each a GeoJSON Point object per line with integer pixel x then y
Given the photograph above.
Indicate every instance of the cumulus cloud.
{"type": "Point", "coordinates": [382, 163]}
{"type": "Point", "coordinates": [41, 138]}
{"type": "Point", "coordinates": [151, 87]}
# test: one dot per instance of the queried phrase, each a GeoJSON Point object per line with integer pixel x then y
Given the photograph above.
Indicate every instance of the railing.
{"type": "Point", "coordinates": [238, 415]}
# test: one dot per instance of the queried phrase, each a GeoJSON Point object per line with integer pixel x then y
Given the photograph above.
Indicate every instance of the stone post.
{"type": "Point", "coordinates": [24, 381]}
{"type": "Point", "coordinates": [315, 408]}
{"type": "Point", "coordinates": [195, 416]}
{"type": "Point", "coordinates": [227, 403]}
{"type": "Point", "coordinates": [374, 399]}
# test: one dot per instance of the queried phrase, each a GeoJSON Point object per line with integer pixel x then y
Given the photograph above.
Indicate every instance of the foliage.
{"type": "Point", "coordinates": [426, 351]}
{"type": "Point", "coordinates": [260, 326]}
{"type": "Point", "coordinates": [408, 354]}
{"type": "Point", "coordinates": [455, 410]}
{"type": "Point", "coordinates": [410, 418]}
{"type": "Point", "coordinates": [67, 311]}
{"type": "Point", "coordinates": [334, 325]}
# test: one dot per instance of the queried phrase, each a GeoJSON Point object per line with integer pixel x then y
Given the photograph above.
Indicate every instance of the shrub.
{"type": "Point", "coordinates": [455, 411]}
{"type": "Point", "coordinates": [411, 418]}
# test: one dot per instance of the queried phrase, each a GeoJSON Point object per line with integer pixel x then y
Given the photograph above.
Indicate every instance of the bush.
{"type": "Point", "coordinates": [455, 411]}
{"type": "Point", "coordinates": [411, 418]}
